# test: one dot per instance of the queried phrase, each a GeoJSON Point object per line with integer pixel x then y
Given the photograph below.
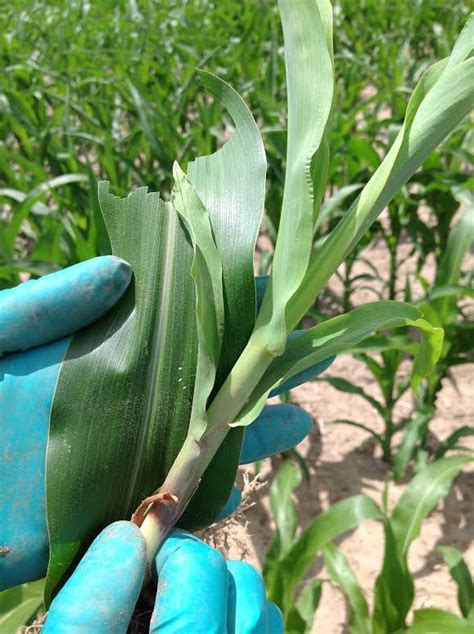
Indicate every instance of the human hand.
{"type": "Point", "coordinates": [36, 318]}
{"type": "Point", "coordinates": [197, 590]}
{"type": "Point", "coordinates": [45, 311]}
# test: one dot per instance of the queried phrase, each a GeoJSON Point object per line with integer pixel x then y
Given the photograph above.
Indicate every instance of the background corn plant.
{"type": "Point", "coordinates": [125, 113]}
{"type": "Point", "coordinates": [445, 303]}
{"type": "Point", "coordinates": [293, 552]}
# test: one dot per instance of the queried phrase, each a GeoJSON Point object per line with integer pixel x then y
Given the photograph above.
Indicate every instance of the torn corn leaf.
{"type": "Point", "coordinates": [231, 185]}
{"type": "Point", "coordinates": [123, 398]}
{"type": "Point", "coordinates": [123, 401]}
{"type": "Point", "coordinates": [206, 271]}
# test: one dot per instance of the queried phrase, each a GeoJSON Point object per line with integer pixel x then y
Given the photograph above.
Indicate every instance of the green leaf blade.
{"type": "Point", "coordinates": [231, 185]}
{"type": "Point", "coordinates": [342, 574]}
{"type": "Point", "coordinates": [394, 588]}
{"type": "Point", "coordinates": [442, 98]}
{"type": "Point", "coordinates": [125, 386]}
{"type": "Point", "coordinates": [206, 271]}
{"type": "Point", "coordinates": [288, 478]}
{"type": "Point", "coordinates": [334, 336]}
{"type": "Point", "coordinates": [423, 493]}
{"type": "Point", "coordinates": [19, 605]}
{"type": "Point", "coordinates": [412, 433]}
{"type": "Point", "coordinates": [338, 519]}
{"type": "Point", "coordinates": [460, 573]}
{"type": "Point", "coordinates": [307, 32]}
{"type": "Point", "coordinates": [433, 621]}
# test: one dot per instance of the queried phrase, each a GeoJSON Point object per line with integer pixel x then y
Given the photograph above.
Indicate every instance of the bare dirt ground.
{"type": "Point", "coordinates": [343, 461]}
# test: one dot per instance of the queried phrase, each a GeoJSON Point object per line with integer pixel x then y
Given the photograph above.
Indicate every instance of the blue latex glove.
{"type": "Point", "coordinates": [198, 591]}
{"type": "Point", "coordinates": [39, 312]}
{"type": "Point", "coordinates": [37, 317]}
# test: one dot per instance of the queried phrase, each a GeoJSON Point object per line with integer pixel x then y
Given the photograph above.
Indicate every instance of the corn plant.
{"type": "Point", "coordinates": [290, 556]}
{"type": "Point", "coordinates": [441, 303]}
{"type": "Point", "coordinates": [124, 114]}
{"type": "Point", "coordinates": [122, 428]}
{"type": "Point", "coordinates": [394, 586]}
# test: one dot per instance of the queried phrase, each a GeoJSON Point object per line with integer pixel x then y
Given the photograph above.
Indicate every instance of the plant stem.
{"type": "Point", "coordinates": [238, 386]}
{"type": "Point", "coordinates": [181, 482]}
{"type": "Point", "coordinates": [196, 453]}
{"type": "Point", "coordinates": [387, 436]}
{"type": "Point", "coordinates": [347, 292]}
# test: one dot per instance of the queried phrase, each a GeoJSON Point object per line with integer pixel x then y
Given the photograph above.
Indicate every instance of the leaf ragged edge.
{"type": "Point", "coordinates": [206, 271]}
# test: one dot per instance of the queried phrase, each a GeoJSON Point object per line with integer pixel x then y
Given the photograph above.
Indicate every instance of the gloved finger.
{"type": "Point", "coordinates": [277, 429]}
{"type": "Point", "coordinates": [301, 377]}
{"type": "Point", "coordinates": [275, 619]}
{"type": "Point", "coordinates": [58, 304]}
{"type": "Point", "coordinates": [192, 587]}
{"type": "Point", "coordinates": [249, 611]}
{"type": "Point", "coordinates": [101, 594]}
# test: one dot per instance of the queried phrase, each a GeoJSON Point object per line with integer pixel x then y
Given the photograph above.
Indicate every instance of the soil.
{"type": "Point", "coordinates": [343, 461]}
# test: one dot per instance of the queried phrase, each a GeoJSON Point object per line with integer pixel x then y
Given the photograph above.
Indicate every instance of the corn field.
{"type": "Point", "coordinates": [289, 185]}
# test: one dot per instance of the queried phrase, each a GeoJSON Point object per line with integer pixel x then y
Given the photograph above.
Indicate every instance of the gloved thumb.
{"type": "Point", "coordinates": [101, 594]}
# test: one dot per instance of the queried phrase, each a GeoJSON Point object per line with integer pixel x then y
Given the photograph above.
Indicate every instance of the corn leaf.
{"type": "Point", "coordinates": [231, 185]}
{"type": "Point", "coordinates": [124, 385]}
{"type": "Point", "coordinates": [460, 573]}
{"type": "Point", "coordinates": [342, 333]}
{"type": "Point", "coordinates": [307, 32]}
{"type": "Point", "coordinates": [412, 433]}
{"type": "Point", "coordinates": [206, 271]}
{"type": "Point", "coordinates": [451, 441]}
{"type": "Point", "coordinates": [394, 589]}
{"type": "Point", "coordinates": [282, 579]}
{"type": "Point", "coordinates": [343, 385]}
{"type": "Point", "coordinates": [460, 240]}
{"type": "Point", "coordinates": [421, 496]}
{"type": "Point", "coordinates": [342, 574]}
{"type": "Point", "coordinates": [300, 618]}
{"type": "Point", "coordinates": [433, 621]}
{"type": "Point", "coordinates": [19, 605]}
{"type": "Point", "coordinates": [443, 97]}
{"type": "Point", "coordinates": [464, 46]}
{"type": "Point", "coordinates": [30, 201]}
{"type": "Point", "coordinates": [124, 397]}
{"type": "Point", "coordinates": [288, 478]}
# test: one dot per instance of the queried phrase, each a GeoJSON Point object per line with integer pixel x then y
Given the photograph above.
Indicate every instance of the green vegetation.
{"type": "Point", "coordinates": [126, 104]}
{"type": "Point", "coordinates": [291, 555]}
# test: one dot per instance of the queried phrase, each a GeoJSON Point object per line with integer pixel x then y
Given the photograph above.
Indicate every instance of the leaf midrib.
{"type": "Point", "coordinates": [161, 319]}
